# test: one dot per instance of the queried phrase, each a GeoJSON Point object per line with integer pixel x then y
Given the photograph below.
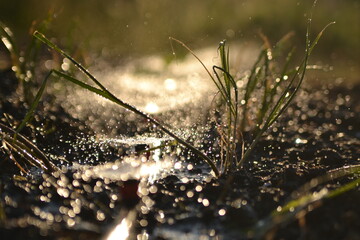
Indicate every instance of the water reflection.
{"type": "Point", "coordinates": [170, 84]}
{"type": "Point", "coordinates": [123, 231]}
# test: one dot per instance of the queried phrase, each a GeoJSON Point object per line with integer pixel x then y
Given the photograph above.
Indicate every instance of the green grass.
{"type": "Point", "coordinates": [300, 201]}
{"type": "Point", "coordinates": [270, 109]}
{"type": "Point", "coordinates": [277, 88]}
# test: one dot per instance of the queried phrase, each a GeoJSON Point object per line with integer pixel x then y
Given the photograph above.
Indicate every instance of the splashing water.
{"type": "Point", "coordinates": [179, 91]}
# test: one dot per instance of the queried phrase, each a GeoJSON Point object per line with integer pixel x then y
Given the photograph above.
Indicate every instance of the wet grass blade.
{"type": "Point", "coordinates": [230, 137]}
{"type": "Point", "coordinates": [217, 83]}
{"type": "Point", "coordinates": [33, 106]}
{"type": "Point", "coordinates": [278, 110]}
{"type": "Point", "coordinates": [250, 87]}
{"type": "Point", "coordinates": [226, 86]}
{"type": "Point", "coordinates": [266, 91]}
{"type": "Point", "coordinates": [283, 75]}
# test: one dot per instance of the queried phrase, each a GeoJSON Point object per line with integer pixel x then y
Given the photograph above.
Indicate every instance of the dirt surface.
{"type": "Point", "coordinates": [318, 133]}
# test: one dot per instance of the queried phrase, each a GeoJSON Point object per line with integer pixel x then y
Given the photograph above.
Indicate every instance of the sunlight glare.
{"type": "Point", "coordinates": [121, 231]}
{"type": "Point", "coordinates": [170, 84]}
{"type": "Point", "coordinates": [152, 107]}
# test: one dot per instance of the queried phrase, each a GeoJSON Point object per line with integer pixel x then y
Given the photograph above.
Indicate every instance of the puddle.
{"type": "Point", "coordinates": [129, 168]}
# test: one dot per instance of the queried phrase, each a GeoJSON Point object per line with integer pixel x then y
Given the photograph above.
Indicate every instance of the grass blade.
{"type": "Point", "coordinates": [34, 104]}
{"type": "Point", "coordinates": [250, 86]}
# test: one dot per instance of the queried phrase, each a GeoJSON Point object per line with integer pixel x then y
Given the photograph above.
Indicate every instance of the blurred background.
{"type": "Point", "coordinates": [121, 30]}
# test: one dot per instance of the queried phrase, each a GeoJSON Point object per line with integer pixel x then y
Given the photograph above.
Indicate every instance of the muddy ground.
{"type": "Point", "coordinates": [318, 133]}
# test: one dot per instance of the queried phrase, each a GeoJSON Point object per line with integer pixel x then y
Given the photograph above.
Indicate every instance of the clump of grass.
{"type": "Point", "coordinates": [22, 151]}
{"type": "Point", "coordinates": [264, 78]}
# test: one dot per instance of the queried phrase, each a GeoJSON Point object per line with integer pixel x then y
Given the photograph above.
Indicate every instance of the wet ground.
{"type": "Point", "coordinates": [102, 165]}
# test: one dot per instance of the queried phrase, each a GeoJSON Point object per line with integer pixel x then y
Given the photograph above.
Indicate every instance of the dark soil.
{"type": "Point", "coordinates": [323, 135]}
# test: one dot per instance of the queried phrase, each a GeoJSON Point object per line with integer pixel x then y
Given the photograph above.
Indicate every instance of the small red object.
{"type": "Point", "coordinates": [129, 191]}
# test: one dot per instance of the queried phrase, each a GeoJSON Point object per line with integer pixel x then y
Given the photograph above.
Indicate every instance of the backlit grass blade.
{"type": "Point", "coordinates": [266, 91]}
{"type": "Point", "coordinates": [279, 110]}
{"type": "Point", "coordinates": [230, 138]}
{"type": "Point", "coordinates": [7, 150]}
{"type": "Point", "coordinates": [316, 40]}
{"type": "Point", "coordinates": [226, 85]}
{"type": "Point", "coordinates": [250, 86]}
{"type": "Point", "coordinates": [34, 104]}
{"type": "Point", "coordinates": [217, 82]}
{"type": "Point", "coordinates": [225, 64]}
{"type": "Point", "coordinates": [225, 93]}
{"type": "Point", "coordinates": [7, 37]}
{"type": "Point", "coordinates": [50, 44]}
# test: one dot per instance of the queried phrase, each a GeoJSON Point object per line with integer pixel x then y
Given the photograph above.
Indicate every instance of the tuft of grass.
{"type": "Point", "coordinates": [271, 110]}
{"type": "Point", "coordinates": [22, 151]}
{"type": "Point", "coordinates": [265, 78]}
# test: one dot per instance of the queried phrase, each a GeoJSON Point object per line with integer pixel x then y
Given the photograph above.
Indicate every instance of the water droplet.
{"type": "Point", "coordinates": [300, 141]}
{"type": "Point", "coordinates": [170, 84]}
{"type": "Point", "coordinates": [190, 194]}
{"type": "Point", "coordinates": [205, 202]}
{"type": "Point", "coordinates": [222, 212]}
{"type": "Point", "coordinates": [100, 215]}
